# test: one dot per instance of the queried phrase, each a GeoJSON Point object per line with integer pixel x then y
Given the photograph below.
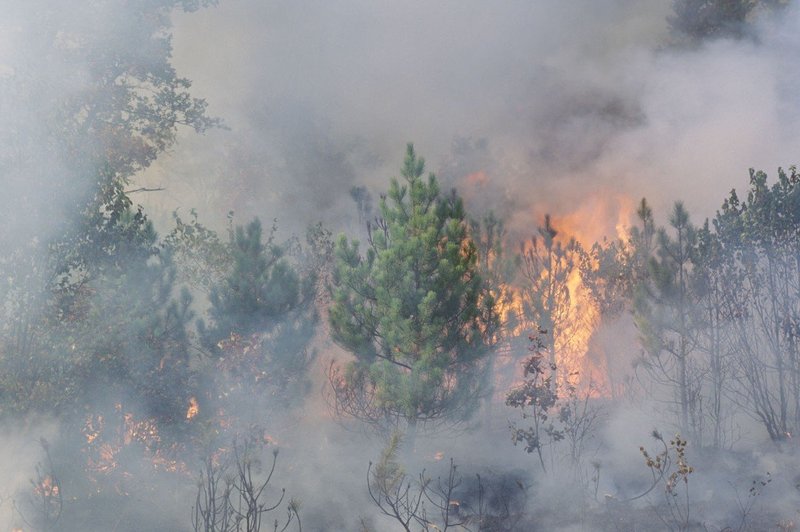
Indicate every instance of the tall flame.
{"type": "Point", "coordinates": [601, 217]}
{"type": "Point", "coordinates": [604, 216]}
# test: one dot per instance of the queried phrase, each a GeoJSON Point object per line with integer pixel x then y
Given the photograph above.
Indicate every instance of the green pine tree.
{"type": "Point", "coordinates": [261, 319]}
{"type": "Point", "coordinates": [261, 287]}
{"type": "Point", "coordinates": [414, 311]}
{"type": "Point", "coordinates": [666, 313]}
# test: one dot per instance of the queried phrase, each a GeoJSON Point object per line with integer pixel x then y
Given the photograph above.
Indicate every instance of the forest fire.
{"type": "Point", "coordinates": [193, 410]}
{"type": "Point", "coordinates": [597, 217]}
{"type": "Point", "coordinates": [104, 445]}
{"type": "Point", "coordinates": [550, 294]}
{"type": "Point", "coordinates": [407, 257]}
{"type": "Point", "coordinates": [47, 488]}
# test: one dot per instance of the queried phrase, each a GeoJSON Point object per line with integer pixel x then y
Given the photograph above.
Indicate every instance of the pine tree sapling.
{"type": "Point", "coordinates": [414, 310]}
{"type": "Point", "coordinates": [261, 317]}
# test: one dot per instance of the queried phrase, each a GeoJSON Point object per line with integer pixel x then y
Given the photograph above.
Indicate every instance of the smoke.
{"type": "Point", "coordinates": [22, 444]}
{"type": "Point", "coordinates": [559, 103]}
{"type": "Point", "coordinates": [321, 97]}
{"type": "Point", "coordinates": [573, 108]}
{"type": "Point", "coordinates": [35, 195]}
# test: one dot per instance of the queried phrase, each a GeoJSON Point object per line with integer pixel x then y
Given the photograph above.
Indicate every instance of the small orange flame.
{"type": "Point", "coordinates": [46, 488]}
{"type": "Point", "coordinates": [105, 442]}
{"type": "Point", "coordinates": [477, 179]}
{"type": "Point", "coordinates": [193, 410]}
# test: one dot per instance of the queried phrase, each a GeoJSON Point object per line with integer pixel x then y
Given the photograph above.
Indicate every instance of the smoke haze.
{"type": "Point", "coordinates": [554, 104]}
{"type": "Point", "coordinates": [577, 109]}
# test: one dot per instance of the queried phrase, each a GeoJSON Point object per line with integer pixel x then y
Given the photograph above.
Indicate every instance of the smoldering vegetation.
{"type": "Point", "coordinates": [220, 311]}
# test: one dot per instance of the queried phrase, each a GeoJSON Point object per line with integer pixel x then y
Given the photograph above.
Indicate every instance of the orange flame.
{"type": "Point", "coordinates": [193, 410]}
{"type": "Point", "coordinates": [591, 222]}
{"type": "Point", "coordinates": [105, 442]}
{"type": "Point", "coordinates": [600, 217]}
{"type": "Point", "coordinates": [46, 488]}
